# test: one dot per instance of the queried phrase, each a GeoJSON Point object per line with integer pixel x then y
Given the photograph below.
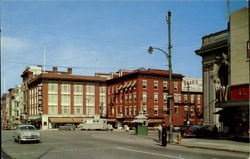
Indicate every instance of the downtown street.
{"type": "Point", "coordinates": [107, 145]}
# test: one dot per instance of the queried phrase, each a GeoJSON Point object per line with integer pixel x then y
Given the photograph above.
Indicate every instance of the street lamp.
{"type": "Point", "coordinates": [168, 55]}
{"type": "Point", "coordinates": [188, 103]}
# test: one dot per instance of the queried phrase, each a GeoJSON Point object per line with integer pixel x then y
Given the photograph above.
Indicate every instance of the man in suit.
{"type": "Point", "coordinates": [164, 134]}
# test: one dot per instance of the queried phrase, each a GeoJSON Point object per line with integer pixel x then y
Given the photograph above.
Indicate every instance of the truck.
{"type": "Point", "coordinates": [95, 124]}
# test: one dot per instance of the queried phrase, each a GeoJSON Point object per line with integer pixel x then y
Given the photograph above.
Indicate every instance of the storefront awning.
{"type": "Point", "coordinates": [235, 103]}
{"type": "Point", "coordinates": [61, 120]}
{"type": "Point", "coordinates": [16, 122]}
{"type": "Point", "coordinates": [77, 120]}
{"type": "Point", "coordinates": [111, 120]}
{"type": "Point", "coordinates": [154, 120]}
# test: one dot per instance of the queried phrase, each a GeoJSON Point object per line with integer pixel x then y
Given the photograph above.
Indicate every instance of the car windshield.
{"type": "Point", "coordinates": [27, 128]}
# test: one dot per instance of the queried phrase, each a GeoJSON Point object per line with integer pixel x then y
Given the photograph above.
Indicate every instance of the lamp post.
{"type": "Point", "coordinates": [188, 104]}
{"type": "Point", "coordinates": [168, 55]}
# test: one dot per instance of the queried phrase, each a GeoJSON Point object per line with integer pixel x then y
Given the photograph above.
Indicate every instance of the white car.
{"type": "Point", "coordinates": [26, 132]}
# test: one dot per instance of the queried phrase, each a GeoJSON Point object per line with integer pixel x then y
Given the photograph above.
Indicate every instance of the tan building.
{"type": "Point", "coordinates": [226, 75]}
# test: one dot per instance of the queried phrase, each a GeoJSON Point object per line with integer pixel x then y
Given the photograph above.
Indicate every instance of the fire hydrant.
{"type": "Point", "coordinates": [179, 138]}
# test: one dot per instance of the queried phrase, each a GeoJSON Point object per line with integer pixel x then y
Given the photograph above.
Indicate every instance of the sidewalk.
{"type": "Point", "coordinates": [223, 144]}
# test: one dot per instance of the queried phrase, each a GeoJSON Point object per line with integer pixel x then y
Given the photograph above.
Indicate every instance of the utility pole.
{"type": "Point", "coordinates": [188, 104]}
{"type": "Point", "coordinates": [170, 77]}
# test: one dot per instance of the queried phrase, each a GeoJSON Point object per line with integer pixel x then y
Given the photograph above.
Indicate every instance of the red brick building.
{"type": "Point", "coordinates": [146, 91]}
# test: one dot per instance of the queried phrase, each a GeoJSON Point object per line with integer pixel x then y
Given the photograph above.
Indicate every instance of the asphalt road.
{"type": "Point", "coordinates": [102, 145]}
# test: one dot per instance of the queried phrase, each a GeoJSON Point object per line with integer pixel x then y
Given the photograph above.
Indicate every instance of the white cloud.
{"type": "Point", "coordinates": [13, 44]}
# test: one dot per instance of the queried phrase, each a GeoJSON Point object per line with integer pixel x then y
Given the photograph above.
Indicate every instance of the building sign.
{"type": "Point", "coordinates": [195, 84]}
{"type": "Point", "coordinates": [240, 92]}
{"type": "Point", "coordinates": [40, 98]}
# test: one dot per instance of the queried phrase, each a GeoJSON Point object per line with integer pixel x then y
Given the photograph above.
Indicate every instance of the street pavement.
{"type": "Point", "coordinates": [114, 145]}
{"type": "Point", "coordinates": [219, 144]}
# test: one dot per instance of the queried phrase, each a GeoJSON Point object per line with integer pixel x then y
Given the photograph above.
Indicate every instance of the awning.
{"type": "Point", "coordinates": [154, 120]}
{"type": "Point", "coordinates": [61, 120]}
{"type": "Point", "coordinates": [133, 84]}
{"type": "Point", "coordinates": [127, 121]}
{"type": "Point", "coordinates": [77, 120]}
{"type": "Point", "coordinates": [120, 87]}
{"type": "Point", "coordinates": [129, 84]}
{"type": "Point", "coordinates": [111, 120]}
{"type": "Point", "coordinates": [125, 85]}
{"type": "Point", "coordinates": [66, 120]}
{"type": "Point", "coordinates": [16, 122]}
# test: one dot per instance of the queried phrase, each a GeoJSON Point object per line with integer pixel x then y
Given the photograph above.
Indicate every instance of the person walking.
{"type": "Point", "coordinates": [164, 134]}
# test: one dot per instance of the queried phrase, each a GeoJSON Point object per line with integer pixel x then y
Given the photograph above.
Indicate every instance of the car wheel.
{"type": "Point", "coordinates": [19, 140]}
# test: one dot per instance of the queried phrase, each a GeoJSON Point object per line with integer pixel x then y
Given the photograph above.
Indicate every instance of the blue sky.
{"type": "Point", "coordinates": [111, 35]}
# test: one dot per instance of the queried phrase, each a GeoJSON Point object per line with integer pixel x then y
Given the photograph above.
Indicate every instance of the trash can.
{"type": "Point", "coordinates": [142, 130]}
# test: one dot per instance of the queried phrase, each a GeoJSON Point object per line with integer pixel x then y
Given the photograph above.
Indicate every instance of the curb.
{"type": "Point", "coordinates": [209, 148]}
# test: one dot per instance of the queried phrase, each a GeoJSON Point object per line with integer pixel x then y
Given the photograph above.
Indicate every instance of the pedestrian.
{"type": "Point", "coordinates": [159, 132]}
{"type": "Point", "coordinates": [164, 134]}
{"type": "Point", "coordinates": [215, 130]}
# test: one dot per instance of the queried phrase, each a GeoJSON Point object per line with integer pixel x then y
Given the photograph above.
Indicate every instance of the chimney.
{"type": "Point", "coordinates": [54, 69]}
{"type": "Point", "coordinates": [69, 70]}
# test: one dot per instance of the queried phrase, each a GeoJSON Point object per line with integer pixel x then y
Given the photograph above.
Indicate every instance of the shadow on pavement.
{"type": "Point", "coordinates": [5, 155]}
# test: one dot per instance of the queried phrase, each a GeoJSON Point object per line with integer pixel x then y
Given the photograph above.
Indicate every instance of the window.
{"type": "Point", "coordinates": [130, 97]}
{"type": "Point", "coordinates": [135, 97]}
{"type": "Point", "coordinates": [165, 97]}
{"type": "Point", "coordinates": [121, 98]}
{"type": "Point", "coordinates": [126, 110]}
{"type": "Point", "coordinates": [109, 90]}
{"type": "Point", "coordinates": [192, 110]}
{"type": "Point", "coordinates": [121, 107]}
{"type": "Point", "coordinates": [198, 109]}
{"type": "Point", "coordinates": [192, 98]}
{"type": "Point", "coordinates": [155, 85]}
{"type": "Point", "coordinates": [144, 84]}
{"type": "Point", "coordinates": [175, 110]}
{"type": "Point", "coordinates": [165, 85]}
{"type": "Point", "coordinates": [135, 110]}
{"type": "Point", "coordinates": [126, 98]}
{"type": "Point", "coordinates": [102, 90]}
{"type": "Point", "coordinates": [186, 110]}
{"type": "Point", "coordinates": [198, 99]}
{"type": "Point", "coordinates": [165, 110]}
{"type": "Point", "coordinates": [145, 109]}
{"type": "Point", "coordinates": [90, 89]}
{"type": "Point", "coordinates": [78, 89]}
{"type": "Point", "coordinates": [177, 98]}
{"type": "Point", "coordinates": [156, 97]}
{"type": "Point", "coordinates": [144, 96]}
{"type": "Point", "coordinates": [65, 88]}
{"type": "Point", "coordinates": [176, 86]}
{"type": "Point", "coordinates": [113, 90]}
{"type": "Point", "coordinates": [185, 98]}
{"type": "Point", "coordinates": [155, 110]}
{"type": "Point", "coordinates": [52, 98]}
{"type": "Point", "coordinates": [130, 110]}
{"type": "Point", "coordinates": [65, 103]}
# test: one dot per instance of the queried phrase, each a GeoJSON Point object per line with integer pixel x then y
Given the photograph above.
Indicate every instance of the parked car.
{"type": "Point", "coordinates": [192, 130]}
{"type": "Point", "coordinates": [183, 128]}
{"type": "Point", "coordinates": [70, 127]}
{"type": "Point", "coordinates": [26, 132]}
{"type": "Point", "coordinates": [205, 132]}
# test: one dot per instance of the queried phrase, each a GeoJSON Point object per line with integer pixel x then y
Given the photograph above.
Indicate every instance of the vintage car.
{"type": "Point", "coordinates": [26, 132]}
{"type": "Point", "coordinates": [70, 127]}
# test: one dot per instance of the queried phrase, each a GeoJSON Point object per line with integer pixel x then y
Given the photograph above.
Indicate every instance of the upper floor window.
{"type": "Point", "coordinates": [155, 110]}
{"type": "Point", "coordinates": [52, 87]}
{"type": "Point", "coordinates": [156, 97]}
{"type": "Point", "coordinates": [144, 84]}
{"type": "Point", "coordinates": [185, 98]}
{"type": "Point", "coordinates": [198, 99]}
{"type": "Point", "coordinates": [165, 97]}
{"type": "Point", "coordinates": [90, 89]}
{"type": "Point", "coordinates": [65, 88]}
{"type": "Point", "coordinates": [135, 98]}
{"type": "Point", "coordinates": [165, 85]}
{"type": "Point", "coordinates": [175, 110]}
{"type": "Point", "coordinates": [103, 90]}
{"type": "Point", "coordinates": [144, 96]}
{"type": "Point", "coordinates": [165, 110]}
{"type": "Point", "coordinates": [176, 86]}
{"type": "Point", "coordinates": [192, 98]}
{"type": "Point", "coordinates": [155, 85]}
{"type": "Point", "coordinates": [78, 89]}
